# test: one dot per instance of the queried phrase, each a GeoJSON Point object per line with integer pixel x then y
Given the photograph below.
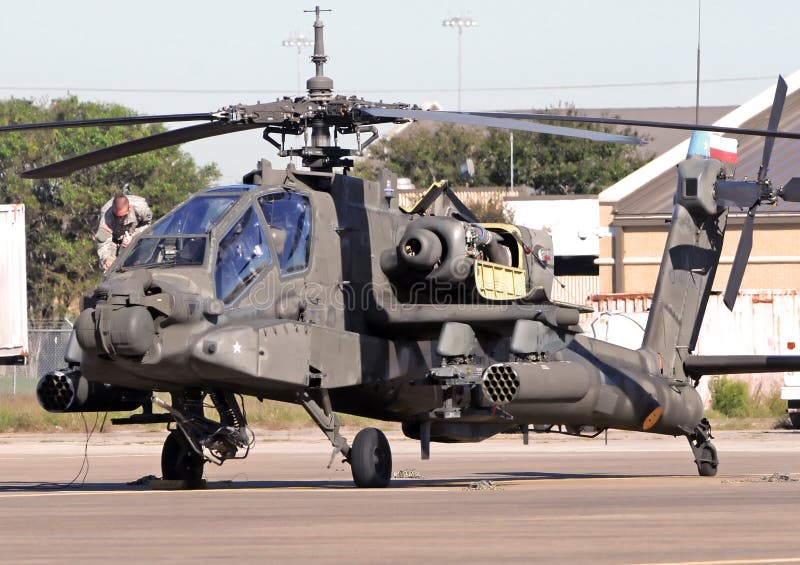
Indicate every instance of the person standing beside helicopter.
{"type": "Point", "coordinates": [121, 218]}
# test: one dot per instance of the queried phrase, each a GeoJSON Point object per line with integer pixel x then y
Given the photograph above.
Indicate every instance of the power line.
{"type": "Point", "coordinates": [15, 88]}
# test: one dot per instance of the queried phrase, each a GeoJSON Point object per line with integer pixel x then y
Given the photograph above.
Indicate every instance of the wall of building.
{"type": "Point", "coordinates": [762, 323]}
{"type": "Point", "coordinates": [774, 261]}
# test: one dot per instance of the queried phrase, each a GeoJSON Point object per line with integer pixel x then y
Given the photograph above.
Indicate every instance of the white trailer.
{"type": "Point", "coordinates": [790, 392]}
{"type": "Point", "coordinates": [13, 285]}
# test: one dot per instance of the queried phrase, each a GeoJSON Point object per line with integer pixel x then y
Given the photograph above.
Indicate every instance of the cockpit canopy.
{"type": "Point", "coordinates": [276, 224]}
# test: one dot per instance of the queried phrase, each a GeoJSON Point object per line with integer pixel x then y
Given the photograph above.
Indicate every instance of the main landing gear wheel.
{"type": "Point", "coordinates": [178, 461]}
{"type": "Point", "coordinates": [371, 459]}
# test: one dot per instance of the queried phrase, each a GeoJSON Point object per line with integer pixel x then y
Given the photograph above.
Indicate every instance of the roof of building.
{"type": "Point", "coordinates": [650, 189]}
{"type": "Point", "coordinates": [660, 140]}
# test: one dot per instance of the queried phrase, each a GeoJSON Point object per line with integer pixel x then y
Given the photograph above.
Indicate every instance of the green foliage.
{"type": "Point", "coordinates": [22, 413]}
{"type": "Point", "coordinates": [492, 211]}
{"type": "Point", "coordinates": [550, 164]}
{"type": "Point", "coordinates": [730, 397]}
{"type": "Point", "coordinates": [425, 155]}
{"type": "Point", "coordinates": [62, 214]}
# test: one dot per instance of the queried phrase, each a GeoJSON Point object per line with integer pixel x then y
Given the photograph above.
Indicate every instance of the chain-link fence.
{"type": "Point", "coordinates": [46, 348]}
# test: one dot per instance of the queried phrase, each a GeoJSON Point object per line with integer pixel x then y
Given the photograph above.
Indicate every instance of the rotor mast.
{"type": "Point", "coordinates": [320, 87]}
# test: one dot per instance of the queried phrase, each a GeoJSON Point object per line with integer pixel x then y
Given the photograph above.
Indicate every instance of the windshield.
{"type": "Point", "coordinates": [289, 218]}
{"type": "Point", "coordinates": [196, 216]}
{"type": "Point", "coordinates": [167, 251]}
{"type": "Point", "coordinates": [243, 254]}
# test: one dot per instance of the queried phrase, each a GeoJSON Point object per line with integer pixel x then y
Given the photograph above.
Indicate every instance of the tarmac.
{"type": "Point", "coordinates": [635, 499]}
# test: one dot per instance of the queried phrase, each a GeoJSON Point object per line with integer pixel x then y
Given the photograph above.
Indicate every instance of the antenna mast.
{"type": "Point", "coordinates": [697, 84]}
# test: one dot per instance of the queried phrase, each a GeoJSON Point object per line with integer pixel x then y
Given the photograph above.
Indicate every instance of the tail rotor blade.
{"type": "Point", "coordinates": [774, 118]}
{"type": "Point", "coordinates": [740, 260]}
{"type": "Point", "coordinates": [791, 190]}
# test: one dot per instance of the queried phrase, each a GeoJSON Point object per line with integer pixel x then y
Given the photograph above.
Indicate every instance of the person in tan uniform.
{"type": "Point", "coordinates": [121, 218]}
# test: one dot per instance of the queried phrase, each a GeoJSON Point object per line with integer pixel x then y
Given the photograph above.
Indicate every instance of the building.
{"type": "Point", "coordinates": [636, 209]}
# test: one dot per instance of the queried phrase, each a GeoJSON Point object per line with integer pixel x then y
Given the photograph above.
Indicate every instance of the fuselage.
{"type": "Point", "coordinates": [277, 288]}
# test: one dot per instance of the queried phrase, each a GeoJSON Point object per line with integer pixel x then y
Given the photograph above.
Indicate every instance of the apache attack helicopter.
{"type": "Point", "coordinates": [314, 287]}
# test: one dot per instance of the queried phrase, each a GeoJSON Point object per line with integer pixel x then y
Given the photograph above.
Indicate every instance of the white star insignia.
{"type": "Point", "coordinates": [237, 347]}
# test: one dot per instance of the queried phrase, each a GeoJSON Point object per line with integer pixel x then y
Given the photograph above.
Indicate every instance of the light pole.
{"type": "Point", "coordinates": [459, 22]}
{"type": "Point", "coordinates": [299, 41]}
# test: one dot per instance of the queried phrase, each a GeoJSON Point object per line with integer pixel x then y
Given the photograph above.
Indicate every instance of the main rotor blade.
{"type": "Point", "coordinates": [640, 123]}
{"type": "Point", "coordinates": [774, 118]}
{"type": "Point", "coordinates": [498, 122]}
{"type": "Point", "coordinates": [740, 260]}
{"type": "Point", "coordinates": [124, 121]}
{"type": "Point", "coordinates": [135, 147]}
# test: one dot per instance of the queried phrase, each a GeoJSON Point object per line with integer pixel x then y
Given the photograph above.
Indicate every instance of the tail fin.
{"type": "Point", "coordinates": [688, 266]}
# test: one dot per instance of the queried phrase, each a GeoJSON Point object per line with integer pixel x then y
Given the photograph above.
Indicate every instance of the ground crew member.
{"type": "Point", "coordinates": [121, 218]}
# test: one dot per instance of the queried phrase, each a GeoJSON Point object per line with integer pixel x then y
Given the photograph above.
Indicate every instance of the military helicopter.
{"type": "Point", "coordinates": [311, 286]}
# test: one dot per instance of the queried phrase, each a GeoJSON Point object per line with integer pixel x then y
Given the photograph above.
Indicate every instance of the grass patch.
{"type": "Point", "coordinates": [733, 407]}
{"type": "Point", "coordinates": [275, 415]}
{"type": "Point", "coordinates": [22, 413]}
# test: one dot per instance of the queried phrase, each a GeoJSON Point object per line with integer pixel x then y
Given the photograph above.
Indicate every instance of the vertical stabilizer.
{"type": "Point", "coordinates": [688, 265]}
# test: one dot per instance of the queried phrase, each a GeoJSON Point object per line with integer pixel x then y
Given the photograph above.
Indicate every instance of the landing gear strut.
{"type": "Point", "coordinates": [705, 454]}
{"type": "Point", "coordinates": [370, 457]}
{"type": "Point", "coordinates": [197, 439]}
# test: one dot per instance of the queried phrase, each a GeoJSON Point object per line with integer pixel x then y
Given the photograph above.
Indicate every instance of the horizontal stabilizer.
{"type": "Point", "coordinates": [698, 365]}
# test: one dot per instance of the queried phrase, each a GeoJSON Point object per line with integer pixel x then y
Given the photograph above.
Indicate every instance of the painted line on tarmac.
{"type": "Point", "coordinates": [729, 562]}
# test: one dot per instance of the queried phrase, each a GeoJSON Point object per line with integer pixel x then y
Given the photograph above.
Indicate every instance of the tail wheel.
{"type": "Point", "coordinates": [371, 459]}
{"type": "Point", "coordinates": [178, 461]}
{"type": "Point", "coordinates": [706, 459]}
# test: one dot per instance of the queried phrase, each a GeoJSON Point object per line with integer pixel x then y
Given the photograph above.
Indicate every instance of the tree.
{"type": "Point", "coordinates": [62, 214]}
{"type": "Point", "coordinates": [549, 164]}
{"type": "Point", "coordinates": [427, 154]}
{"type": "Point", "coordinates": [492, 211]}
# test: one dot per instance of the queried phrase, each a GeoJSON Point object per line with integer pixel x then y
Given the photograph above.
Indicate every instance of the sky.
{"type": "Point", "coordinates": [172, 56]}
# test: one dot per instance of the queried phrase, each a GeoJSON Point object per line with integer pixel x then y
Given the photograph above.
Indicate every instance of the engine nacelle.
{"type": "Point", "coordinates": [432, 248]}
{"type": "Point", "coordinates": [69, 391]}
{"type": "Point", "coordinates": [500, 261]}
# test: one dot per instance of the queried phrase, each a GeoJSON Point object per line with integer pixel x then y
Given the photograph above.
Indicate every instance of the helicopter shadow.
{"type": "Point", "coordinates": [320, 485]}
